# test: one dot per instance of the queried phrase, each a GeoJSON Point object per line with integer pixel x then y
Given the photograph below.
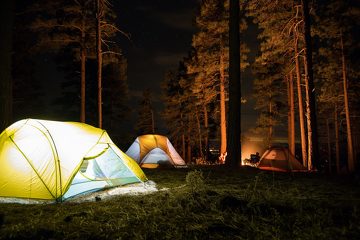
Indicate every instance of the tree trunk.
{"type": "Point", "coordinates": [289, 111]}
{"type": "Point", "coordinates": [182, 136]}
{"type": "Point", "coordinates": [337, 139]}
{"type": "Point", "coordinates": [350, 150]}
{"type": "Point", "coordinates": [308, 120]}
{"type": "Point", "coordinates": [189, 155]}
{"type": "Point", "coordinates": [206, 125]}
{"type": "Point", "coordinates": [328, 143]}
{"type": "Point", "coordinates": [99, 16]}
{"type": "Point", "coordinates": [183, 144]}
{"type": "Point", "coordinates": [199, 134]}
{"type": "Point", "coordinates": [271, 129]}
{"type": "Point", "coordinates": [234, 117]}
{"type": "Point", "coordinates": [83, 67]}
{"type": "Point", "coordinates": [152, 121]}
{"type": "Point", "coordinates": [222, 106]}
{"type": "Point", "coordinates": [300, 103]}
{"type": "Point", "coordinates": [83, 72]}
{"type": "Point", "coordinates": [313, 145]}
{"type": "Point", "coordinates": [292, 115]}
{"type": "Point", "coordinates": [6, 33]}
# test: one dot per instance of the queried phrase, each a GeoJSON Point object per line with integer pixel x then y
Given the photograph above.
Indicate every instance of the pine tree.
{"type": "Point", "coordinates": [271, 67]}
{"type": "Point", "coordinates": [60, 24]}
{"type": "Point", "coordinates": [70, 26]}
{"type": "Point", "coordinates": [181, 108]}
{"type": "Point", "coordinates": [174, 110]}
{"type": "Point", "coordinates": [210, 61]}
{"type": "Point", "coordinates": [145, 123]}
{"type": "Point", "coordinates": [27, 91]}
{"type": "Point", "coordinates": [6, 26]}
{"type": "Point", "coordinates": [313, 151]}
{"type": "Point", "coordinates": [337, 75]}
{"type": "Point", "coordinates": [115, 100]}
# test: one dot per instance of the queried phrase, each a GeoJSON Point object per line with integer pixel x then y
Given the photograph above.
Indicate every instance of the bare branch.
{"type": "Point", "coordinates": [111, 52]}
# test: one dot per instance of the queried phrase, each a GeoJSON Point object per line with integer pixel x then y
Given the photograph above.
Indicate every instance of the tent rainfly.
{"type": "Point", "coordinates": [52, 160]}
{"type": "Point", "coordinates": [281, 160]}
{"type": "Point", "coordinates": [152, 151]}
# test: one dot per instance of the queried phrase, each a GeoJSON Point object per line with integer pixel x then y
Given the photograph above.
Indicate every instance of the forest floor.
{"type": "Point", "coordinates": [202, 203]}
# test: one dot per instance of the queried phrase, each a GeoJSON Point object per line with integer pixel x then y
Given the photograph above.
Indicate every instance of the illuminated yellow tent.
{"type": "Point", "coordinates": [152, 151]}
{"type": "Point", "coordinates": [52, 160]}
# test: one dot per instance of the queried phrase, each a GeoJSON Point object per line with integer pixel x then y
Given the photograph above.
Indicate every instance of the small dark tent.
{"type": "Point", "coordinates": [281, 160]}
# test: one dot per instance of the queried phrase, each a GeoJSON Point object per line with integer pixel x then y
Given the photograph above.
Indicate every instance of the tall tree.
{"type": "Point", "coordinates": [210, 61]}
{"type": "Point", "coordinates": [115, 99]}
{"type": "Point", "coordinates": [337, 21]}
{"type": "Point", "coordinates": [269, 94]}
{"type": "Point", "coordinates": [351, 163]}
{"type": "Point", "coordinates": [6, 27]}
{"type": "Point", "coordinates": [99, 18]}
{"type": "Point", "coordinates": [61, 24]}
{"type": "Point", "coordinates": [173, 113]}
{"type": "Point", "coordinates": [145, 123]}
{"type": "Point", "coordinates": [313, 151]}
{"type": "Point", "coordinates": [291, 114]}
{"type": "Point", "coordinates": [72, 25]}
{"type": "Point", "coordinates": [272, 65]}
{"type": "Point", "coordinates": [300, 98]}
{"type": "Point", "coordinates": [234, 120]}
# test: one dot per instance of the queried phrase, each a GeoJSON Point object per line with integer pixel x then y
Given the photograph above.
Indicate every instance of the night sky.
{"type": "Point", "coordinates": [160, 37]}
{"type": "Point", "coordinates": [161, 33]}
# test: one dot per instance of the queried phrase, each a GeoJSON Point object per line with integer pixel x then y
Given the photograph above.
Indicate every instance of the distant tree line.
{"type": "Point", "coordinates": [68, 34]}
{"type": "Point", "coordinates": [306, 76]}
{"type": "Point", "coordinates": [196, 93]}
{"type": "Point", "coordinates": [283, 86]}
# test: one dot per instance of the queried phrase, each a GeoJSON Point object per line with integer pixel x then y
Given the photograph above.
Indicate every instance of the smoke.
{"type": "Point", "coordinates": [251, 146]}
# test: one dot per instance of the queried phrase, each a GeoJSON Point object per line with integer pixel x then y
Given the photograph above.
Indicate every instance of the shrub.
{"type": "Point", "coordinates": [195, 181]}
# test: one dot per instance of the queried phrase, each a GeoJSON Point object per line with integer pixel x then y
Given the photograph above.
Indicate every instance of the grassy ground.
{"type": "Point", "coordinates": [203, 203]}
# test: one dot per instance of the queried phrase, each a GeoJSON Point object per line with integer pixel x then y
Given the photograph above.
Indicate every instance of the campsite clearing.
{"type": "Point", "coordinates": [203, 203]}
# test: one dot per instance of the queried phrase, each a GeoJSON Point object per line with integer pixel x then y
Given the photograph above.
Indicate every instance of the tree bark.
{"type": "Point", "coordinates": [292, 115]}
{"type": "Point", "coordinates": [189, 155]}
{"type": "Point", "coordinates": [199, 134]}
{"type": "Point", "coordinates": [313, 153]}
{"type": "Point", "coordinates": [289, 111]}
{"type": "Point", "coordinates": [328, 144]}
{"type": "Point", "coordinates": [222, 106]}
{"type": "Point", "coordinates": [337, 139]}
{"type": "Point", "coordinates": [83, 73]}
{"type": "Point", "coordinates": [300, 104]}
{"type": "Point", "coordinates": [350, 150]}
{"type": "Point", "coordinates": [152, 121]}
{"type": "Point", "coordinates": [99, 16]}
{"type": "Point", "coordinates": [6, 97]}
{"type": "Point", "coordinates": [206, 125]}
{"type": "Point", "coordinates": [234, 117]}
{"type": "Point", "coordinates": [308, 120]}
{"type": "Point", "coordinates": [182, 136]}
{"type": "Point", "coordinates": [183, 146]}
{"type": "Point", "coordinates": [271, 129]}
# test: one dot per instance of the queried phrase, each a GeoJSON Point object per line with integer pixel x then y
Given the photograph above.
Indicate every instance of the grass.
{"type": "Point", "coordinates": [203, 203]}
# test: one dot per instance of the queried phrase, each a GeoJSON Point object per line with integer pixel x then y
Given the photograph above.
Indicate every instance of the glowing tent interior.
{"type": "Point", "coordinates": [52, 160]}
{"type": "Point", "coordinates": [279, 159]}
{"type": "Point", "coordinates": [152, 151]}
